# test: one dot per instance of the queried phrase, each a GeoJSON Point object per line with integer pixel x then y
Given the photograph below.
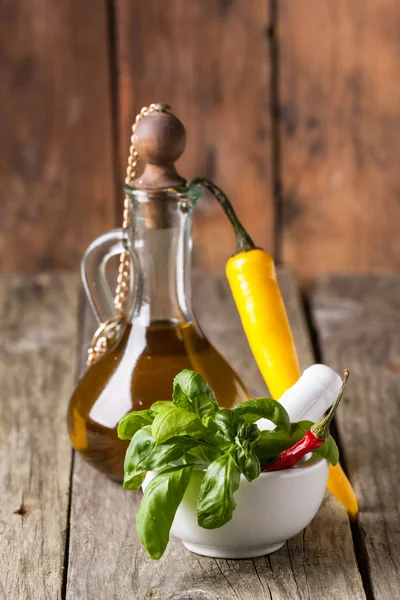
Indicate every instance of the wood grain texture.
{"type": "Point", "coordinates": [359, 327]}
{"type": "Point", "coordinates": [337, 96]}
{"type": "Point", "coordinates": [56, 161]}
{"type": "Point", "coordinates": [38, 324]}
{"type": "Point", "coordinates": [209, 60]}
{"type": "Point", "coordinates": [106, 560]}
{"type": "Point", "coordinates": [339, 99]}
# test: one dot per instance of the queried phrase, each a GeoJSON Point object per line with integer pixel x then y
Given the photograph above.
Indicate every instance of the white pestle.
{"type": "Point", "coordinates": [310, 397]}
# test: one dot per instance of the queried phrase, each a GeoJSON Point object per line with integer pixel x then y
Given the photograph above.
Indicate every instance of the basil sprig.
{"type": "Point", "coordinates": [191, 432]}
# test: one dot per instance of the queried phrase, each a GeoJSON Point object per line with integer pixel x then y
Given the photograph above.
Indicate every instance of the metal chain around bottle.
{"type": "Point", "coordinates": [106, 333]}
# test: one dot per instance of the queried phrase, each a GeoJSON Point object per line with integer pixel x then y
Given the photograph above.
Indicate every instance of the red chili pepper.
{"type": "Point", "coordinates": [316, 436]}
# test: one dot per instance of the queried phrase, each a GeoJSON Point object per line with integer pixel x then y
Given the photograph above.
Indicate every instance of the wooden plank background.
{"type": "Point", "coordinates": [340, 99]}
{"type": "Point", "coordinates": [292, 107]}
{"type": "Point", "coordinates": [358, 324]}
{"type": "Point", "coordinates": [56, 153]}
{"type": "Point", "coordinates": [39, 329]}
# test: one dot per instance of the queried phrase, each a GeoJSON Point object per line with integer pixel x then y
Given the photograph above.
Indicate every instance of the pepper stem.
{"type": "Point", "coordinates": [243, 240]}
{"type": "Point", "coordinates": [321, 430]}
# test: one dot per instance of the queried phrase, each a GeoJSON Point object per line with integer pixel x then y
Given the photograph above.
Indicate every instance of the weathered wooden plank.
{"type": "Point", "coordinates": [339, 145]}
{"type": "Point", "coordinates": [210, 61]}
{"type": "Point", "coordinates": [359, 328]}
{"type": "Point", "coordinates": [107, 561]}
{"type": "Point", "coordinates": [38, 324]}
{"type": "Point", "coordinates": [56, 156]}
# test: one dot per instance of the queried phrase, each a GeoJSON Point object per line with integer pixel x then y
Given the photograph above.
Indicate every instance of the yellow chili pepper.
{"type": "Point", "coordinates": [252, 278]}
{"type": "Point", "coordinates": [254, 287]}
{"type": "Point", "coordinates": [340, 487]}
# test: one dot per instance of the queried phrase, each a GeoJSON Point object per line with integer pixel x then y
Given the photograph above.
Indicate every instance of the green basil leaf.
{"type": "Point", "coordinates": [329, 451]}
{"type": "Point", "coordinates": [227, 423]}
{"type": "Point", "coordinates": [246, 459]}
{"type": "Point", "coordinates": [216, 502]}
{"type": "Point", "coordinates": [263, 408]}
{"type": "Point", "coordinates": [249, 432]}
{"type": "Point", "coordinates": [133, 481]}
{"type": "Point", "coordinates": [192, 393]}
{"type": "Point", "coordinates": [204, 453]}
{"type": "Point", "coordinates": [159, 406]}
{"type": "Point", "coordinates": [168, 452]}
{"type": "Point", "coordinates": [133, 471]}
{"type": "Point", "coordinates": [303, 426]}
{"type": "Point", "coordinates": [143, 454]}
{"type": "Point", "coordinates": [158, 507]}
{"type": "Point", "coordinates": [174, 421]}
{"type": "Point", "coordinates": [132, 422]}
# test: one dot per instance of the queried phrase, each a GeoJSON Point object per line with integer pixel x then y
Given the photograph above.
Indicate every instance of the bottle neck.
{"type": "Point", "coordinates": [161, 237]}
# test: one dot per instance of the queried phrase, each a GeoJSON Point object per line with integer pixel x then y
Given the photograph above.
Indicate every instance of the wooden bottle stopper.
{"type": "Point", "coordinates": [160, 139]}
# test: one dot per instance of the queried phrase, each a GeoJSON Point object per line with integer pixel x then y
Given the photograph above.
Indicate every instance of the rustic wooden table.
{"type": "Point", "coordinates": [68, 532]}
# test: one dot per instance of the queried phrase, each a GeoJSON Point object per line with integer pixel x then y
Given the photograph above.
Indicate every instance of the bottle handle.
{"type": "Point", "coordinates": [93, 272]}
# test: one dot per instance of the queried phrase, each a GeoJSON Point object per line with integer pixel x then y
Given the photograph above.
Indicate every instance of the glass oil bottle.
{"type": "Point", "coordinates": [159, 335]}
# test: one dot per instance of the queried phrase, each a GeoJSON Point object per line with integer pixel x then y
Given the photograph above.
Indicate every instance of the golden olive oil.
{"type": "Point", "coordinates": [137, 372]}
